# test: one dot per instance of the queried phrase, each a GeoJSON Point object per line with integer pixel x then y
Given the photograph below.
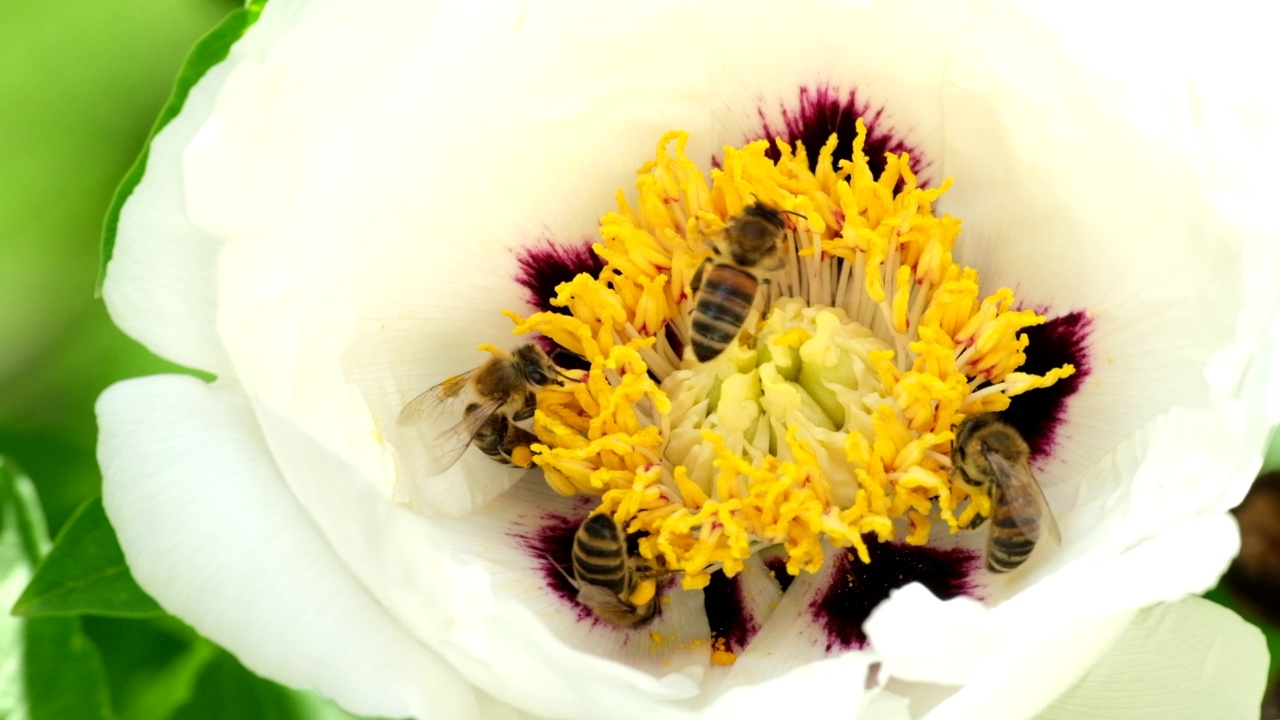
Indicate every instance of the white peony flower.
{"type": "Point", "coordinates": [345, 207]}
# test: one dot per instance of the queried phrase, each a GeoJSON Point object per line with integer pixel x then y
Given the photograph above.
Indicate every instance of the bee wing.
{"type": "Point", "coordinates": [449, 444]}
{"type": "Point", "coordinates": [602, 600]}
{"type": "Point", "coordinates": [1017, 478]}
{"type": "Point", "coordinates": [435, 402]}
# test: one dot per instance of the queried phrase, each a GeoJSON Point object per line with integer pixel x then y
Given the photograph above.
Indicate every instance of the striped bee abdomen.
{"type": "Point", "coordinates": [724, 301]}
{"type": "Point", "coordinates": [600, 554]}
{"type": "Point", "coordinates": [1014, 532]}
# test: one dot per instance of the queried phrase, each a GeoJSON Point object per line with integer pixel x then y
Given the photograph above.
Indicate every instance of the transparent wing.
{"type": "Point", "coordinates": [604, 602]}
{"type": "Point", "coordinates": [1016, 482]}
{"type": "Point", "coordinates": [438, 402]}
{"type": "Point", "coordinates": [448, 445]}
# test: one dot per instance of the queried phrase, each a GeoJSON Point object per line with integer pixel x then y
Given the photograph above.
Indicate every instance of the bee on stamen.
{"type": "Point", "coordinates": [492, 398]}
{"type": "Point", "coordinates": [614, 585]}
{"type": "Point", "coordinates": [750, 246]}
{"type": "Point", "coordinates": [989, 453]}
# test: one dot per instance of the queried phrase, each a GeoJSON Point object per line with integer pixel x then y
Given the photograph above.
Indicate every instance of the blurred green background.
{"type": "Point", "coordinates": [82, 83]}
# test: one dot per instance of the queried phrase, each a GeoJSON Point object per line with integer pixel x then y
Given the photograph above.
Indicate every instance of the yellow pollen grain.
{"type": "Point", "coordinates": [522, 456]}
{"type": "Point", "coordinates": [721, 655]}
{"type": "Point", "coordinates": [644, 592]}
{"type": "Point", "coordinates": [607, 431]}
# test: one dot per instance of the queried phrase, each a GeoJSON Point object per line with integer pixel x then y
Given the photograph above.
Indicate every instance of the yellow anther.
{"type": "Point", "coordinates": [901, 296]}
{"type": "Point", "coordinates": [811, 437]}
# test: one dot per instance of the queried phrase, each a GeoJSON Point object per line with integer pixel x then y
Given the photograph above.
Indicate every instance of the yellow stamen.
{"type": "Point", "coordinates": [816, 430]}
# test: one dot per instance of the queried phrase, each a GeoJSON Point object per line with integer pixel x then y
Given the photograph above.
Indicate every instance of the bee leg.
{"type": "Point", "coordinates": [696, 282]}
{"type": "Point", "coordinates": [526, 411]}
{"type": "Point", "coordinates": [766, 288]}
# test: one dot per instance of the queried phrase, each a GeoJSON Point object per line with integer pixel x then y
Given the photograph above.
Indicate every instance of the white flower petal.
{"type": "Point", "coordinates": [1155, 478]}
{"type": "Point", "coordinates": [1125, 546]}
{"type": "Point", "coordinates": [1081, 186]}
{"type": "Point", "coordinates": [158, 287]}
{"type": "Point", "coordinates": [789, 639]}
{"type": "Point", "coordinates": [789, 662]}
{"type": "Point", "coordinates": [438, 222]}
{"type": "Point", "coordinates": [439, 580]}
{"type": "Point", "coordinates": [210, 530]}
{"type": "Point", "coordinates": [758, 78]}
{"type": "Point", "coordinates": [162, 298]}
{"type": "Point", "coordinates": [1056, 629]}
{"type": "Point", "coordinates": [1179, 661]}
{"type": "Point", "coordinates": [1029, 673]}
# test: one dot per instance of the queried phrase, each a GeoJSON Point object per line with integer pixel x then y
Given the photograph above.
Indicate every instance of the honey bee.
{"type": "Point", "coordinates": [493, 398]}
{"type": "Point", "coordinates": [750, 244]}
{"type": "Point", "coordinates": [607, 577]}
{"type": "Point", "coordinates": [988, 452]}
{"type": "Point", "coordinates": [500, 437]}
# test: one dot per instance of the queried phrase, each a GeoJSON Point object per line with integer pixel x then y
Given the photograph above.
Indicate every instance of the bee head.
{"type": "Point", "coordinates": [535, 367]}
{"type": "Point", "coordinates": [756, 232]}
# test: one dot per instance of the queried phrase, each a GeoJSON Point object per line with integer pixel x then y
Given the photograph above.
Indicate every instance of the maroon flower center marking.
{"type": "Point", "coordinates": [778, 566]}
{"type": "Point", "coordinates": [546, 264]}
{"type": "Point", "coordinates": [727, 612]}
{"type": "Point", "coordinates": [822, 110]}
{"type": "Point", "coordinates": [551, 545]}
{"type": "Point", "coordinates": [542, 268]}
{"type": "Point", "coordinates": [856, 589]}
{"type": "Point", "coordinates": [1038, 414]}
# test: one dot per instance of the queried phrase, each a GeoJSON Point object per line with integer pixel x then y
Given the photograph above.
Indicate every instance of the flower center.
{"type": "Point", "coordinates": [831, 418]}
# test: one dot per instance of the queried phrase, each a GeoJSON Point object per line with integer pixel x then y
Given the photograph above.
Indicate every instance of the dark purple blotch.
{"type": "Point", "coordinates": [727, 612]}
{"type": "Point", "coordinates": [778, 566]}
{"type": "Point", "coordinates": [856, 589]}
{"type": "Point", "coordinates": [546, 264]}
{"type": "Point", "coordinates": [822, 110]}
{"type": "Point", "coordinates": [1038, 414]}
{"type": "Point", "coordinates": [542, 268]}
{"type": "Point", "coordinates": [551, 547]}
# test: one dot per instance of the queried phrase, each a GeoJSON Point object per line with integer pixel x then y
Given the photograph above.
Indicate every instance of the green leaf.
{"type": "Point", "coordinates": [153, 666]}
{"type": "Point", "coordinates": [1224, 598]}
{"type": "Point", "coordinates": [226, 690]}
{"type": "Point", "coordinates": [23, 538]}
{"type": "Point", "coordinates": [48, 669]}
{"type": "Point", "coordinates": [64, 673]}
{"type": "Point", "coordinates": [212, 49]}
{"type": "Point", "coordinates": [85, 573]}
{"type": "Point", "coordinates": [173, 687]}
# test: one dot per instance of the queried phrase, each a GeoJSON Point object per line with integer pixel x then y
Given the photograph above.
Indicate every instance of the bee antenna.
{"type": "Point", "coordinates": [560, 353]}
